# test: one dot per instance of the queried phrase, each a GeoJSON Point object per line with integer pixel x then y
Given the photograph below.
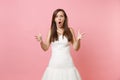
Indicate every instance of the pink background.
{"type": "Point", "coordinates": [21, 57]}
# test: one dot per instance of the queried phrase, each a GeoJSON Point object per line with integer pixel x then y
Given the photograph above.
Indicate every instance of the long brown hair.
{"type": "Point", "coordinates": [67, 32]}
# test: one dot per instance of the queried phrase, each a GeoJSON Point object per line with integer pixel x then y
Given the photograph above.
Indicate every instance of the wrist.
{"type": "Point", "coordinates": [41, 42]}
{"type": "Point", "coordinates": [78, 39]}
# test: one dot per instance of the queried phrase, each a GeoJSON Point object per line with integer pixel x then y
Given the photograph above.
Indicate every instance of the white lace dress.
{"type": "Point", "coordinates": [61, 66]}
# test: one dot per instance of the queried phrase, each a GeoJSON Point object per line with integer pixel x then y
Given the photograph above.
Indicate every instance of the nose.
{"type": "Point", "coordinates": [59, 18]}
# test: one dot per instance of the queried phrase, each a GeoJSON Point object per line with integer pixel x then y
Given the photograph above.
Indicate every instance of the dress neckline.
{"type": "Point", "coordinates": [60, 35]}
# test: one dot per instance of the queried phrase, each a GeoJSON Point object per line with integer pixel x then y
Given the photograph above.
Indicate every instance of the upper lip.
{"type": "Point", "coordinates": [59, 22]}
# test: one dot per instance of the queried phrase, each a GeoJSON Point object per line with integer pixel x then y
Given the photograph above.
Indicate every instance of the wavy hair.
{"type": "Point", "coordinates": [67, 32]}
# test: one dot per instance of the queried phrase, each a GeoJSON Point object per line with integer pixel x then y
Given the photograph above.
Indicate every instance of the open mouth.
{"type": "Point", "coordinates": [59, 22]}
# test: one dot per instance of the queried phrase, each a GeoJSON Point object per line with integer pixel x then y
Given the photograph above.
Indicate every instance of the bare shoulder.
{"type": "Point", "coordinates": [48, 37]}
{"type": "Point", "coordinates": [49, 31]}
{"type": "Point", "coordinates": [73, 34]}
{"type": "Point", "coordinates": [71, 29]}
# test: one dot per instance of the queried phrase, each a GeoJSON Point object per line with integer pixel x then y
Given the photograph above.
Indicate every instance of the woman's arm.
{"type": "Point", "coordinates": [76, 41]}
{"type": "Point", "coordinates": [44, 45]}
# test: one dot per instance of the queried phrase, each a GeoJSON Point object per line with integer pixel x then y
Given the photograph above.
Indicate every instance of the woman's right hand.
{"type": "Point", "coordinates": [39, 38]}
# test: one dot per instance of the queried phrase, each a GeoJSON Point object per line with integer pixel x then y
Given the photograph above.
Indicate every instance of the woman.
{"type": "Point", "coordinates": [60, 36]}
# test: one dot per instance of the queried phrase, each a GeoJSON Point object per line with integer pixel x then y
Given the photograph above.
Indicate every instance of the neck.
{"type": "Point", "coordinates": [60, 30]}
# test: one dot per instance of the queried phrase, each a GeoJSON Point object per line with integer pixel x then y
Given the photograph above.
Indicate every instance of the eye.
{"type": "Point", "coordinates": [61, 16]}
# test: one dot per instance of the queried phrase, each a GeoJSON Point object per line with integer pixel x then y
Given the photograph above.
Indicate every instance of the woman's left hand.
{"type": "Point", "coordinates": [80, 35]}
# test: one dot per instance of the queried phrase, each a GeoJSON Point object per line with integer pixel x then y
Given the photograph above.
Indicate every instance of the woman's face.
{"type": "Point", "coordinates": [59, 19]}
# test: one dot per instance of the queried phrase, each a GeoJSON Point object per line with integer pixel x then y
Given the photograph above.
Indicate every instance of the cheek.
{"type": "Point", "coordinates": [63, 19]}
{"type": "Point", "coordinates": [55, 19]}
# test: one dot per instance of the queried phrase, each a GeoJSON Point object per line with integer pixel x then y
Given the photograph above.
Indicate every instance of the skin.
{"type": "Point", "coordinates": [59, 19]}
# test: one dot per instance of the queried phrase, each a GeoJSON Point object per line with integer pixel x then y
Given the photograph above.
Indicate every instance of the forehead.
{"type": "Point", "coordinates": [60, 13]}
